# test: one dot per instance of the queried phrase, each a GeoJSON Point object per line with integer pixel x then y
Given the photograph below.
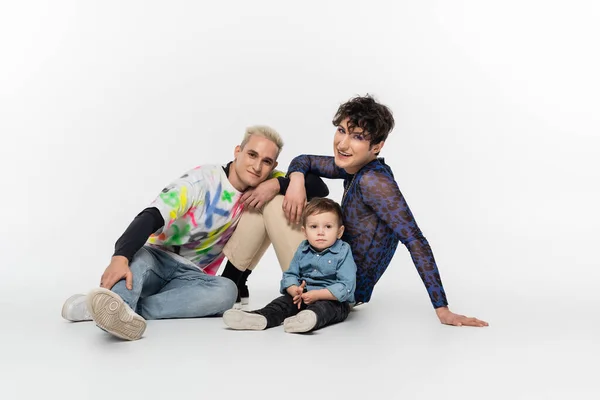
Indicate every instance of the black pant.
{"type": "Point", "coordinates": [328, 312]}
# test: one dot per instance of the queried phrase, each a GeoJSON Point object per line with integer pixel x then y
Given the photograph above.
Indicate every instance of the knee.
{"type": "Point", "coordinates": [228, 288]}
{"type": "Point", "coordinates": [226, 294]}
{"type": "Point", "coordinates": [274, 207]}
{"type": "Point", "coordinates": [141, 260]}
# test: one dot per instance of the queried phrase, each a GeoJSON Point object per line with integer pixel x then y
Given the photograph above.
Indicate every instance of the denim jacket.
{"type": "Point", "coordinates": [333, 269]}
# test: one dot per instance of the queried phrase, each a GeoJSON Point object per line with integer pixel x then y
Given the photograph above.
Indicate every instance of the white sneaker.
{"type": "Point", "coordinates": [304, 321]}
{"type": "Point", "coordinates": [241, 320]}
{"type": "Point", "coordinates": [75, 309]}
{"type": "Point", "coordinates": [111, 314]}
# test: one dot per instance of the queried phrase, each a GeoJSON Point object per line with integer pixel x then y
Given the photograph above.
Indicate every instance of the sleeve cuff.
{"type": "Point", "coordinates": [286, 283]}
{"type": "Point", "coordinates": [339, 291]}
{"type": "Point", "coordinates": [284, 182]}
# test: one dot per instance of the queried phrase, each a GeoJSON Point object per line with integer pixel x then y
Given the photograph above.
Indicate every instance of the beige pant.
{"type": "Point", "coordinates": [257, 230]}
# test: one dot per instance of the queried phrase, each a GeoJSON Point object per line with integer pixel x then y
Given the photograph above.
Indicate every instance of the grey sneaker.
{"type": "Point", "coordinates": [241, 320]}
{"type": "Point", "coordinates": [111, 314]}
{"type": "Point", "coordinates": [75, 309]}
{"type": "Point", "coordinates": [304, 321]}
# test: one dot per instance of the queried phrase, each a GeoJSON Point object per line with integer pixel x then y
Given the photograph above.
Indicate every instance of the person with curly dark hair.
{"type": "Point", "coordinates": [376, 214]}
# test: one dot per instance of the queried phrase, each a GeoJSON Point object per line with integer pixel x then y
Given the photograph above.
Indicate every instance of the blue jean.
{"type": "Point", "coordinates": [168, 286]}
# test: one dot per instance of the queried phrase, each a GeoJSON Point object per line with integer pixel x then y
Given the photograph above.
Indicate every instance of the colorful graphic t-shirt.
{"type": "Point", "coordinates": [201, 210]}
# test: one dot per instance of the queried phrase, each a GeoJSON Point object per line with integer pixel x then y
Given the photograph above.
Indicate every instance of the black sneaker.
{"type": "Point", "coordinates": [243, 294]}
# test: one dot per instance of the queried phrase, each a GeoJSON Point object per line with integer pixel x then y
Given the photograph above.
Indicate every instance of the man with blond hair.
{"type": "Point", "coordinates": [165, 262]}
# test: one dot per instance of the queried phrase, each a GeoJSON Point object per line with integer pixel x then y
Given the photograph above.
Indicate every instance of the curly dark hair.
{"type": "Point", "coordinates": [365, 112]}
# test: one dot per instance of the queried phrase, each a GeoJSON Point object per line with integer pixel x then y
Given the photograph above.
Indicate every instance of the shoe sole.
{"type": "Point", "coordinates": [240, 320]}
{"type": "Point", "coordinates": [111, 314]}
{"type": "Point", "coordinates": [302, 322]}
{"type": "Point", "coordinates": [65, 309]}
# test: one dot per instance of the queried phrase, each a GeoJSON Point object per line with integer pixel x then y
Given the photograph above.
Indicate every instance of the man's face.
{"type": "Point", "coordinates": [253, 164]}
{"type": "Point", "coordinates": [351, 147]}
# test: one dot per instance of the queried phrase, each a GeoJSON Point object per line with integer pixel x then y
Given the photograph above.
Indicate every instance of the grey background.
{"type": "Point", "coordinates": [495, 149]}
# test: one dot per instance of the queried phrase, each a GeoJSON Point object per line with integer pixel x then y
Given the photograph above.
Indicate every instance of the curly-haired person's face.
{"type": "Point", "coordinates": [351, 147]}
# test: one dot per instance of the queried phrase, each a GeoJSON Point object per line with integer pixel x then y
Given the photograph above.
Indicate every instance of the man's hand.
{"type": "Point", "coordinates": [117, 270]}
{"type": "Point", "coordinates": [295, 198]}
{"type": "Point", "coordinates": [296, 292]}
{"type": "Point", "coordinates": [447, 317]}
{"type": "Point", "coordinates": [257, 197]}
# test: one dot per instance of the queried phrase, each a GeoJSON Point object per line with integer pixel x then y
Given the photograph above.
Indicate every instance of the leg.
{"type": "Point", "coordinates": [273, 314]}
{"type": "Point", "coordinates": [249, 241]}
{"type": "Point", "coordinates": [256, 231]}
{"type": "Point", "coordinates": [329, 312]}
{"type": "Point", "coordinates": [239, 278]}
{"type": "Point", "coordinates": [113, 310]}
{"type": "Point", "coordinates": [190, 293]}
{"type": "Point", "coordinates": [278, 310]}
{"type": "Point", "coordinates": [243, 250]}
{"type": "Point", "coordinates": [151, 269]}
{"type": "Point", "coordinates": [318, 315]}
{"type": "Point", "coordinates": [243, 292]}
{"type": "Point", "coordinates": [150, 273]}
{"type": "Point", "coordinates": [285, 237]}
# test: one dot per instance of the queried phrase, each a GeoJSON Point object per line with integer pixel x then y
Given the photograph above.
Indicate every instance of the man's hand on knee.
{"type": "Point", "coordinates": [117, 269]}
{"type": "Point", "coordinates": [295, 198]}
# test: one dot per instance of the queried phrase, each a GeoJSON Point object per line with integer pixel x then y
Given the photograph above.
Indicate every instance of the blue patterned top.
{"type": "Point", "coordinates": [376, 217]}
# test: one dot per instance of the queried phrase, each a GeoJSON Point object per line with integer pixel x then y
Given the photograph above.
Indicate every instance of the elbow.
{"type": "Point", "coordinates": [323, 191]}
{"type": "Point", "coordinates": [415, 237]}
{"type": "Point", "coordinates": [345, 293]}
{"type": "Point", "coordinates": [319, 187]}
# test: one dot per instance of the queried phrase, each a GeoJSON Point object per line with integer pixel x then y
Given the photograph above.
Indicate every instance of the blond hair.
{"type": "Point", "coordinates": [266, 132]}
